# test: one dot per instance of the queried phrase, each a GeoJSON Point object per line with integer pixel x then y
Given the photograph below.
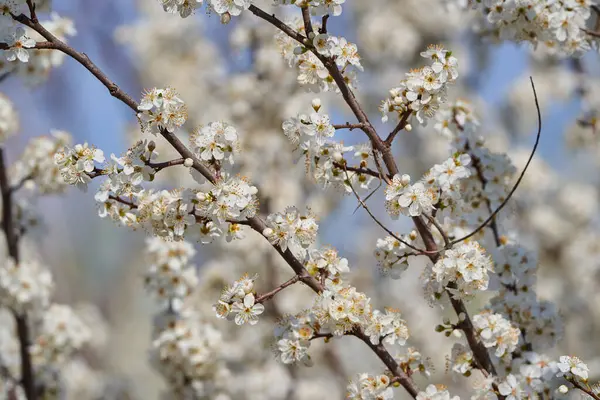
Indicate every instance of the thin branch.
{"type": "Point", "coordinates": [358, 170]}
{"type": "Point", "coordinates": [123, 201]}
{"type": "Point", "coordinates": [440, 230]}
{"type": "Point", "coordinates": [401, 125]}
{"type": "Point", "coordinates": [308, 28]}
{"type": "Point", "coordinates": [323, 28]}
{"type": "Point", "coordinates": [269, 295]}
{"type": "Point", "coordinates": [389, 232]}
{"type": "Point", "coordinates": [584, 389]}
{"type": "Point", "coordinates": [591, 33]}
{"type": "Point", "coordinates": [22, 182]}
{"type": "Point", "coordinates": [166, 164]}
{"type": "Point", "coordinates": [273, 20]}
{"type": "Point", "coordinates": [32, 13]}
{"type": "Point", "coordinates": [8, 225]}
{"type": "Point", "coordinates": [379, 349]}
{"type": "Point", "coordinates": [514, 189]}
{"type": "Point", "coordinates": [349, 126]}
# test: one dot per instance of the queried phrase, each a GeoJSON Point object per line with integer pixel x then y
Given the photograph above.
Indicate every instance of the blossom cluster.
{"type": "Point", "coordinates": [60, 334]}
{"type": "Point", "coordinates": [366, 386]}
{"type": "Point", "coordinates": [33, 65]}
{"type": "Point", "coordinates": [76, 163]}
{"type": "Point", "coordinates": [423, 91]}
{"type": "Point", "coordinates": [185, 349]}
{"type": "Point", "coordinates": [461, 359]}
{"type": "Point", "coordinates": [497, 332]}
{"type": "Point", "coordinates": [517, 299]}
{"type": "Point", "coordinates": [435, 392]}
{"type": "Point", "coordinates": [225, 8]}
{"type": "Point", "coordinates": [313, 74]}
{"type": "Point", "coordinates": [466, 266]}
{"type": "Point", "coordinates": [237, 302]}
{"type": "Point", "coordinates": [215, 143]}
{"type": "Point", "coordinates": [325, 158]}
{"type": "Point", "coordinates": [170, 277]}
{"type": "Point", "coordinates": [309, 132]}
{"type": "Point", "coordinates": [389, 326]}
{"type": "Point", "coordinates": [558, 25]}
{"type": "Point", "coordinates": [291, 230]}
{"type": "Point", "coordinates": [184, 8]}
{"type": "Point", "coordinates": [491, 174]}
{"type": "Point", "coordinates": [438, 188]}
{"type": "Point", "coordinates": [35, 168]}
{"type": "Point", "coordinates": [25, 286]}
{"type": "Point", "coordinates": [392, 255]}
{"type": "Point", "coordinates": [171, 214]}
{"type": "Point", "coordinates": [317, 7]}
{"type": "Point", "coordinates": [161, 109]}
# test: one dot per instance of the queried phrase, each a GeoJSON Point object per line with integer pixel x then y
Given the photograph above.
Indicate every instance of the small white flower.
{"type": "Point", "coordinates": [247, 311]}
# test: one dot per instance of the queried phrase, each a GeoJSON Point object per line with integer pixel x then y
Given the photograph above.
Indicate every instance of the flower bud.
{"type": "Point", "coordinates": [188, 162]}
{"type": "Point", "coordinates": [316, 104]}
{"type": "Point", "coordinates": [151, 145]}
{"type": "Point", "coordinates": [267, 232]}
{"type": "Point", "coordinates": [337, 156]}
{"type": "Point", "coordinates": [405, 180]}
{"type": "Point", "coordinates": [408, 127]}
{"type": "Point", "coordinates": [562, 389]}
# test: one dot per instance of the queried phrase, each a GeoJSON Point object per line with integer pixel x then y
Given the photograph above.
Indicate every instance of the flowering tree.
{"type": "Point", "coordinates": [248, 207]}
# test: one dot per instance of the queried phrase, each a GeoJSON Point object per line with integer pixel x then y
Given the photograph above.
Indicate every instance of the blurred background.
{"type": "Point", "coordinates": [234, 72]}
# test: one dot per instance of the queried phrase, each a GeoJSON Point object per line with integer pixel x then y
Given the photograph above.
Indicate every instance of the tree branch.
{"type": "Point", "coordinates": [269, 295]}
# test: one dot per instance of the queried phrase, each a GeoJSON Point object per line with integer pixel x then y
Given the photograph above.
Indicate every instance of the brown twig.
{"type": "Point", "coordinates": [349, 126]}
{"type": "Point", "coordinates": [166, 164]}
{"type": "Point", "coordinates": [308, 28]}
{"type": "Point", "coordinates": [32, 13]}
{"type": "Point", "coordinates": [8, 225]}
{"type": "Point", "coordinates": [358, 170]}
{"type": "Point", "coordinates": [401, 125]}
{"type": "Point", "coordinates": [591, 33]}
{"type": "Point", "coordinates": [269, 295]}
{"type": "Point", "coordinates": [22, 182]}
{"type": "Point", "coordinates": [439, 229]}
{"type": "Point", "coordinates": [323, 28]}
{"type": "Point", "coordinates": [374, 218]}
{"type": "Point", "coordinates": [584, 389]}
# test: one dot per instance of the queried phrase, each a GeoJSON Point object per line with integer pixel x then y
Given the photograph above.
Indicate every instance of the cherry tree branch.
{"type": "Point", "coordinates": [401, 125]}
{"type": "Point", "coordinates": [269, 295]}
{"type": "Point", "coordinates": [349, 126]}
{"type": "Point", "coordinates": [166, 164]}
{"type": "Point", "coordinates": [306, 18]}
{"type": "Point", "coordinates": [585, 390]}
{"type": "Point", "coordinates": [359, 170]}
{"type": "Point", "coordinates": [10, 233]}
